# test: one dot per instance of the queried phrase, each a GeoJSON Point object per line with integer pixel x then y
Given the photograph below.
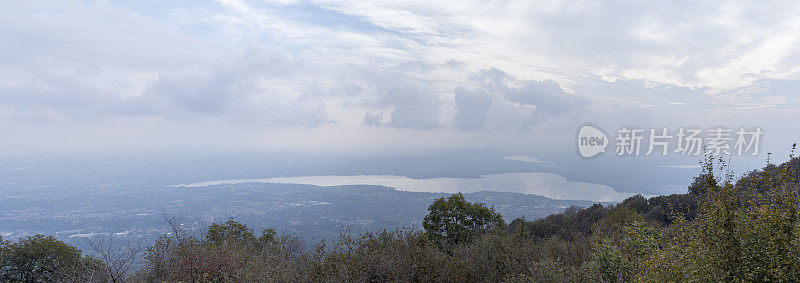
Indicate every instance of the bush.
{"type": "Point", "coordinates": [41, 258]}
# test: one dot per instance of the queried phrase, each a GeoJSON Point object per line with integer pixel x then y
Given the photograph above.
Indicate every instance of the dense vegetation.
{"type": "Point", "coordinates": [720, 230]}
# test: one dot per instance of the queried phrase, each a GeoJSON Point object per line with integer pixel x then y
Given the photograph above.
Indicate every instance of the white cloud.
{"type": "Point", "coordinates": [720, 45]}
{"type": "Point", "coordinates": [455, 68]}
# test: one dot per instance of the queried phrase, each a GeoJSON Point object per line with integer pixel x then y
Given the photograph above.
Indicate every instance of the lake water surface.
{"type": "Point", "coordinates": [543, 184]}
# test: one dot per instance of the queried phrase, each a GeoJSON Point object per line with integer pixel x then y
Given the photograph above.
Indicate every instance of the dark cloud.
{"type": "Point", "coordinates": [504, 102]}
{"type": "Point", "coordinates": [411, 105]}
{"type": "Point", "coordinates": [413, 108]}
{"type": "Point", "coordinates": [373, 120]}
{"type": "Point", "coordinates": [547, 96]}
{"type": "Point", "coordinates": [471, 109]}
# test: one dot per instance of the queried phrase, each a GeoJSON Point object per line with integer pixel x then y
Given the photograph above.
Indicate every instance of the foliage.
{"type": "Point", "coordinates": [746, 231]}
{"type": "Point", "coordinates": [454, 220]}
{"type": "Point", "coordinates": [41, 258]}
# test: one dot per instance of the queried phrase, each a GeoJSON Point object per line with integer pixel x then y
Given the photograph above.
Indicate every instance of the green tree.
{"type": "Point", "coordinates": [270, 237]}
{"type": "Point", "coordinates": [454, 220]}
{"type": "Point", "coordinates": [41, 258]}
{"type": "Point", "coordinates": [231, 233]}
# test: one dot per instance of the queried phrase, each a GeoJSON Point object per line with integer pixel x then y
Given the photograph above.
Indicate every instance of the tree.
{"type": "Point", "coordinates": [119, 260]}
{"type": "Point", "coordinates": [454, 220]}
{"type": "Point", "coordinates": [4, 251]}
{"type": "Point", "coordinates": [41, 258]}
{"type": "Point", "coordinates": [231, 233]}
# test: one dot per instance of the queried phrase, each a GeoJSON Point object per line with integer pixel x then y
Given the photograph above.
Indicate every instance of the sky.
{"type": "Point", "coordinates": [92, 76]}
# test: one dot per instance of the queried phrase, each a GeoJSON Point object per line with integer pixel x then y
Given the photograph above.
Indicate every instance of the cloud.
{"type": "Point", "coordinates": [547, 96]}
{"type": "Point", "coordinates": [64, 62]}
{"type": "Point", "coordinates": [413, 109]}
{"type": "Point", "coordinates": [505, 102]}
{"type": "Point", "coordinates": [373, 120]}
{"type": "Point", "coordinates": [395, 91]}
{"type": "Point", "coordinates": [466, 68]}
{"type": "Point", "coordinates": [472, 108]}
{"type": "Point", "coordinates": [730, 46]}
{"type": "Point", "coordinates": [250, 87]}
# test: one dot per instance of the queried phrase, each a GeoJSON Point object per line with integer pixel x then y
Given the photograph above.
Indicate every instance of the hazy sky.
{"type": "Point", "coordinates": [81, 76]}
